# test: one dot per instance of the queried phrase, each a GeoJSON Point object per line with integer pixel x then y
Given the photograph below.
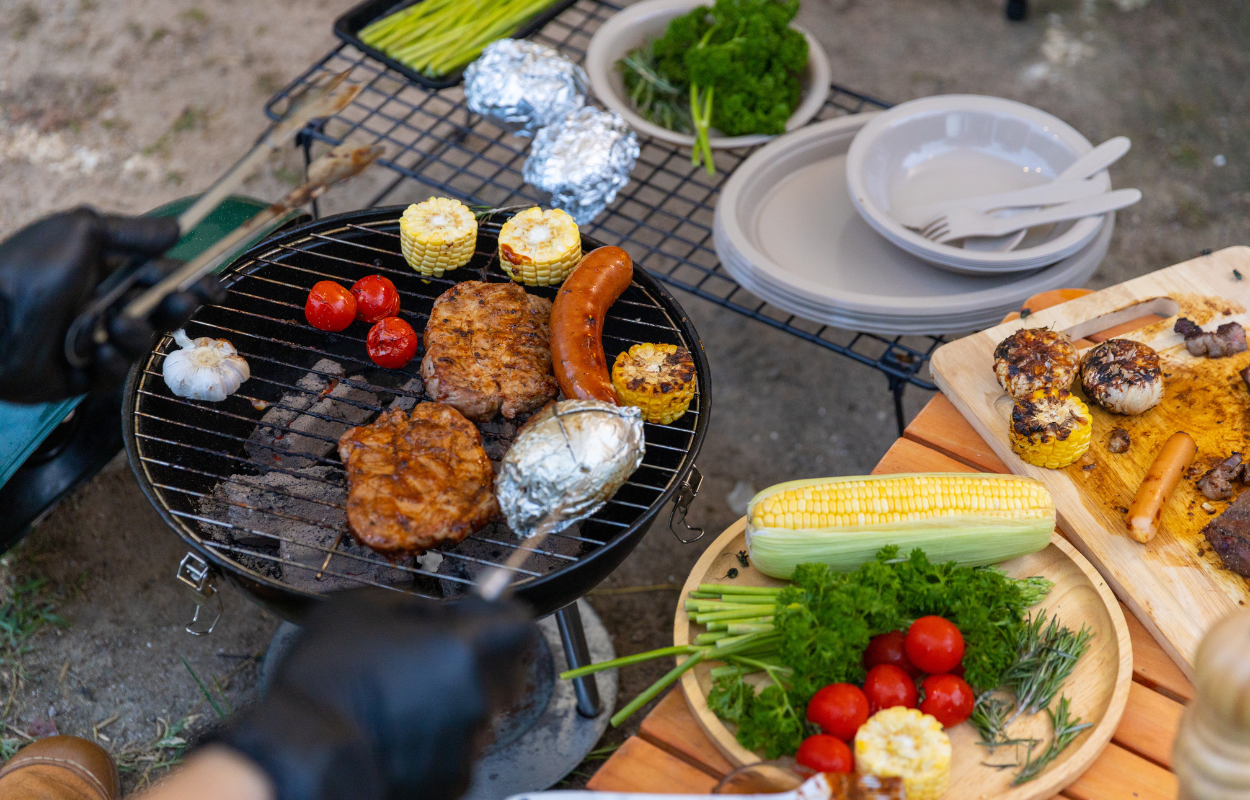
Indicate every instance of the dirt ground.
{"type": "Point", "coordinates": [126, 104]}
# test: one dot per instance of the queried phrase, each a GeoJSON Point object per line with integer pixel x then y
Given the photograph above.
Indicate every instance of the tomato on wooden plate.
{"type": "Point", "coordinates": [329, 307]}
{"type": "Point", "coordinates": [376, 298]}
{"type": "Point", "coordinates": [934, 645]}
{"type": "Point", "coordinates": [391, 343]}
{"type": "Point", "coordinates": [888, 649]}
{"type": "Point", "coordinates": [888, 686]}
{"type": "Point", "coordinates": [839, 709]}
{"type": "Point", "coordinates": [825, 753]}
{"type": "Point", "coordinates": [948, 699]}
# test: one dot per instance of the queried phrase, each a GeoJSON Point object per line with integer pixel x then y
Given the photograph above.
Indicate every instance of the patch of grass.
{"type": "Point", "coordinates": [9, 747]}
{"type": "Point", "coordinates": [190, 119]}
{"type": "Point", "coordinates": [207, 694]}
{"type": "Point", "coordinates": [28, 17]}
{"type": "Point", "coordinates": [1185, 155]}
{"type": "Point", "coordinates": [23, 612]}
{"type": "Point", "coordinates": [135, 30]}
{"type": "Point", "coordinates": [174, 178]}
{"type": "Point", "coordinates": [157, 755]}
{"type": "Point", "coordinates": [87, 5]}
{"type": "Point", "coordinates": [157, 35]}
{"type": "Point", "coordinates": [195, 14]}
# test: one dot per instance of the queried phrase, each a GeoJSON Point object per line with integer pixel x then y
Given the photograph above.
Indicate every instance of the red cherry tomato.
{"type": "Point", "coordinates": [839, 709]}
{"type": "Point", "coordinates": [376, 298]}
{"type": "Point", "coordinates": [391, 343]}
{"type": "Point", "coordinates": [888, 686]}
{"type": "Point", "coordinates": [329, 307]}
{"type": "Point", "coordinates": [825, 753]}
{"type": "Point", "coordinates": [934, 645]}
{"type": "Point", "coordinates": [888, 649]}
{"type": "Point", "coordinates": [948, 699]}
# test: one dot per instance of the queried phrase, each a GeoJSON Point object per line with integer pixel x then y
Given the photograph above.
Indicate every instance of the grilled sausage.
{"type": "Point", "coordinates": [577, 323]}
{"type": "Point", "coordinates": [1161, 479]}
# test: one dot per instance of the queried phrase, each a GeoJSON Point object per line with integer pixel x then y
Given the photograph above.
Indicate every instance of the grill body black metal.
{"type": "Point", "coordinates": [238, 480]}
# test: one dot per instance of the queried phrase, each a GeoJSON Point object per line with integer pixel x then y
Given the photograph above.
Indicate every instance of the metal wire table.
{"type": "Point", "coordinates": [663, 218]}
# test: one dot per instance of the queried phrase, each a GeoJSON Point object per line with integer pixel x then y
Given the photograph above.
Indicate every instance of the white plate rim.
{"type": "Point", "coordinates": [945, 255]}
{"type": "Point", "coordinates": [597, 65]}
{"type": "Point", "coordinates": [736, 251]}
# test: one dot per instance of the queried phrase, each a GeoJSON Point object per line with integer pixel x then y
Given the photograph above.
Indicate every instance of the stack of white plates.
{"type": "Point", "coordinates": [789, 231]}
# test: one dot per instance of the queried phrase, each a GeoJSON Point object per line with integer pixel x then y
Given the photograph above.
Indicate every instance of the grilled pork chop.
{"type": "Point", "coordinates": [417, 481]}
{"type": "Point", "coordinates": [488, 350]}
{"type": "Point", "coordinates": [1229, 535]}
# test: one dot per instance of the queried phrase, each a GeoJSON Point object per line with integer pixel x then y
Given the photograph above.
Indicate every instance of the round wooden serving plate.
{"type": "Point", "coordinates": [1098, 689]}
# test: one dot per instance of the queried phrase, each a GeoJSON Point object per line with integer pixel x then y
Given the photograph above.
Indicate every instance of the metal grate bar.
{"type": "Point", "coordinates": [663, 216]}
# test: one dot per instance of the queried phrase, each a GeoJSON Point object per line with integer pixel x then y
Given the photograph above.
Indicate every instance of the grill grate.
{"type": "Point", "coordinates": [663, 218]}
{"type": "Point", "coordinates": [256, 482]}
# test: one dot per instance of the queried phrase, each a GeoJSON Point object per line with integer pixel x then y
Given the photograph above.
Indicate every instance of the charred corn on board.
{"type": "Point", "coordinates": [1098, 687]}
{"type": "Point", "coordinates": [1174, 583]}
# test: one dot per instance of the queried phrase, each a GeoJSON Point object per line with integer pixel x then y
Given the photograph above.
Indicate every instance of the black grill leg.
{"type": "Point", "coordinates": [578, 655]}
{"type": "Point", "coordinates": [897, 385]}
{"type": "Point", "coordinates": [1017, 10]}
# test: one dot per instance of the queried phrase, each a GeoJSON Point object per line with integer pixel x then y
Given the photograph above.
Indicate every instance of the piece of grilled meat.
{"type": "Point", "coordinates": [488, 350]}
{"type": "Point", "coordinates": [1229, 535]}
{"type": "Point", "coordinates": [1225, 340]}
{"type": "Point", "coordinates": [1217, 484]}
{"type": "Point", "coordinates": [417, 481]}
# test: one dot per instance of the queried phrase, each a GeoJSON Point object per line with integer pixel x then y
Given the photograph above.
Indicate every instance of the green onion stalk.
{"type": "Point", "coordinates": [435, 37]}
{"type": "Point", "coordinates": [747, 640]}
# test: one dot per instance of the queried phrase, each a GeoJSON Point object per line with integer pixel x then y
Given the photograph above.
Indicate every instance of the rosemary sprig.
{"type": "Point", "coordinates": [1064, 729]}
{"type": "Point", "coordinates": [989, 719]}
{"type": "Point", "coordinates": [1048, 653]}
{"type": "Point", "coordinates": [655, 97]}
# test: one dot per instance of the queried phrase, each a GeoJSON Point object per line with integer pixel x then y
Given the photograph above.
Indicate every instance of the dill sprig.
{"type": "Point", "coordinates": [1064, 729]}
{"type": "Point", "coordinates": [1047, 654]}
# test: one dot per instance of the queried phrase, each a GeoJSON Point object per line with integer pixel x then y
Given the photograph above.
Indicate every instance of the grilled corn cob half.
{"type": "Point", "coordinates": [657, 378]}
{"type": "Point", "coordinates": [437, 236]}
{"type": "Point", "coordinates": [539, 248]}
{"type": "Point", "coordinates": [1050, 428]}
{"type": "Point", "coordinates": [970, 518]}
{"type": "Point", "coordinates": [1035, 358]}
{"type": "Point", "coordinates": [904, 743]}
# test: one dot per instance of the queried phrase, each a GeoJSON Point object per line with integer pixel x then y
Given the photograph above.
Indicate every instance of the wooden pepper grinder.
{"type": "Point", "coordinates": [1211, 755]}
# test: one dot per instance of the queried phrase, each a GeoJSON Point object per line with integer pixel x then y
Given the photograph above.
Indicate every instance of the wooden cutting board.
{"type": "Point", "coordinates": [1174, 584]}
{"type": "Point", "coordinates": [1098, 688]}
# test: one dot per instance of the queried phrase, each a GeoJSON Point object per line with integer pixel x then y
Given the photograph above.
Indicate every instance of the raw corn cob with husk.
{"type": "Point", "coordinates": [903, 743]}
{"type": "Point", "coordinates": [972, 519]}
{"type": "Point", "coordinates": [539, 248]}
{"type": "Point", "coordinates": [437, 236]}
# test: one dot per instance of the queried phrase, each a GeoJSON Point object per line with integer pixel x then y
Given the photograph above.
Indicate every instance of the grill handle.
{"type": "Point", "coordinates": [681, 504]}
{"type": "Point", "coordinates": [197, 576]}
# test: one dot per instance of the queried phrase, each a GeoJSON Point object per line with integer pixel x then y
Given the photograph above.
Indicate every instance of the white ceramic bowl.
{"type": "Point", "coordinates": [953, 146]}
{"type": "Point", "coordinates": [647, 20]}
{"type": "Point", "coordinates": [820, 260]}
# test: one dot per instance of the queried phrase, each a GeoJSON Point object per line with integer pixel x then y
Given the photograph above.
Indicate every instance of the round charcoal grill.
{"type": "Point", "coordinates": [255, 485]}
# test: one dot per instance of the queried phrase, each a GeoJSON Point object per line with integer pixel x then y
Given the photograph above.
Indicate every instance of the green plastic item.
{"type": "Point", "coordinates": [23, 428]}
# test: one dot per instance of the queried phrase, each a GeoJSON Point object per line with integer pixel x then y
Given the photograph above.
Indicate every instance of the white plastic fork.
{"type": "Point", "coordinates": [961, 223]}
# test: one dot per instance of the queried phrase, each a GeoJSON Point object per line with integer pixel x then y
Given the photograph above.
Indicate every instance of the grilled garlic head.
{"type": "Point", "coordinates": [1122, 376]}
{"type": "Point", "coordinates": [1035, 358]}
{"type": "Point", "coordinates": [204, 369]}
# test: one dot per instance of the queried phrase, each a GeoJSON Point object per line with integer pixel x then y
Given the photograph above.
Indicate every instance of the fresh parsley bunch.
{"type": "Point", "coordinates": [734, 66]}
{"type": "Point", "coordinates": [826, 618]}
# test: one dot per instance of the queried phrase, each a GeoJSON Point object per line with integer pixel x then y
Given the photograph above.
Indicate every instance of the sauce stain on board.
{"type": "Point", "coordinates": [1204, 397]}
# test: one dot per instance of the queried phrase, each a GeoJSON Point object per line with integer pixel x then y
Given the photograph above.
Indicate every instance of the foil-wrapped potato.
{"type": "Point", "coordinates": [568, 460]}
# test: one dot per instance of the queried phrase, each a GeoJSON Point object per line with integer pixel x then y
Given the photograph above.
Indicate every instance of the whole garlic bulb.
{"type": "Point", "coordinates": [204, 369]}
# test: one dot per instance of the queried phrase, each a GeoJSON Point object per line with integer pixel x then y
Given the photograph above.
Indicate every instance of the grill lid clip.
{"type": "Point", "coordinates": [196, 574]}
{"type": "Point", "coordinates": [681, 504]}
